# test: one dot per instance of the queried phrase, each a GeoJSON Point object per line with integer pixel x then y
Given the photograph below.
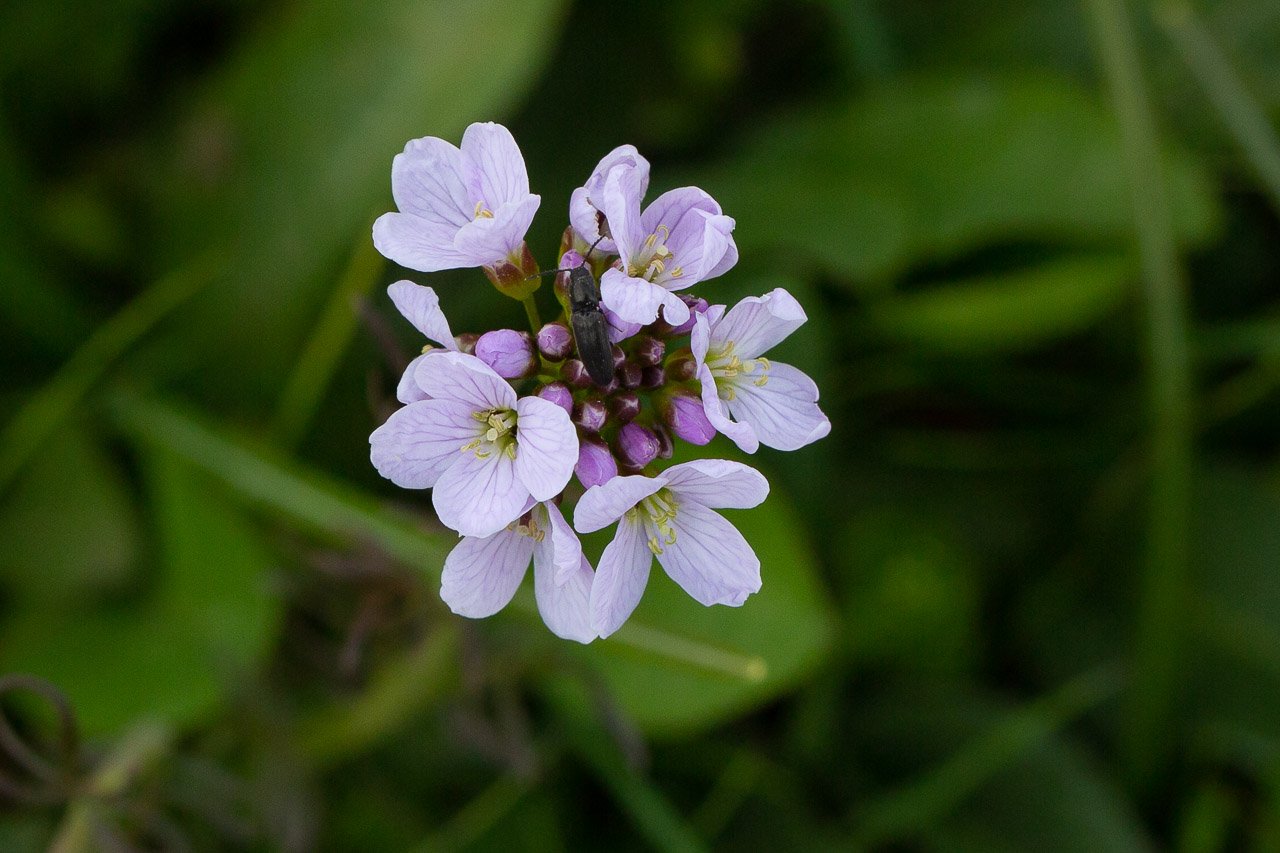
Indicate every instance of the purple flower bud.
{"type": "Point", "coordinates": [653, 377]}
{"type": "Point", "coordinates": [630, 374]}
{"type": "Point", "coordinates": [637, 446]}
{"type": "Point", "coordinates": [555, 342]}
{"type": "Point", "coordinates": [467, 342]}
{"type": "Point", "coordinates": [681, 367]}
{"type": "Point", "coordinates": [666, 447]}
{"type": "Point", "coordinates": [590, 415]}
{"type": "Point", "coordinates": [508, 352]}
{"type": "Point", "coordinates": [649, 351]}
{"type": "Point", "coordinates": [624, 406]}
{"type": "Point", "coordinates": [618, 356]}
{"type": "Point", "coordinates": [596, 464]}
{"type": "Point", "coordinates": [575, 373]}
{"type": "Point", "coordinates": [558, 393]}
{"type": "Point", "coordinates": [684, 414]}
{"type": "Point", "coordinates": [697, 305]}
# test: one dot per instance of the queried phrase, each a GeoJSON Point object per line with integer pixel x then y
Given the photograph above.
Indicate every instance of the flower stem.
{"type": "Point", "coordinates": [531, 309]}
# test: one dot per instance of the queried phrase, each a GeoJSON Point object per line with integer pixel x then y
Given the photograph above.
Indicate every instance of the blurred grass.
{"type": "Point", "coordinates": [1037, 245]}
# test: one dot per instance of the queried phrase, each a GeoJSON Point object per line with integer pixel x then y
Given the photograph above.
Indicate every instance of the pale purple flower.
{"type": "Point", "coordinates": [508, 352]}
{"type": "Point", "coordinates": [769, 402]}
{"type": "Point", "coordinates": [558, 393]}
{"type": "Point", "coordinates": [596, 464]}
{"type": "Point", "coordinates": [555, 342]}
{"type": "Point", "coordinates": [482, 451]}
{"type": "Point", "coordinates": [671, 517]}
{"type": "Point", "coordinates": [467, 207]}
{"type": "Point", "coordinates": [586, 205]}
{"type": "Point", "coordinates": [421, 307]}
{"type": "Point", "coordinates": [680, 239]}
{"type": "Point", "coordinates": [481, 575]}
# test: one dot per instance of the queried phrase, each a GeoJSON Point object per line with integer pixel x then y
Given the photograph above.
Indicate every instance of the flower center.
{"type": "Point", "coordinates": [482, 212]}
{"type": "Point", "coordinates": [728, 370]}
{"type": "Point", "coordinates": [660, 508]}
{"type": "Point", "coordinates": [655, 260]}
{"type": "Point", "coordinates": [527, 525]}
{"type": "Point", "coordinates": [497, 434]}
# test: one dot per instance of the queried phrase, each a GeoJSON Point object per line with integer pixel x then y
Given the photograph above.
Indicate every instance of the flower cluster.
{"type": "Point", "coordinates": [499, 425]}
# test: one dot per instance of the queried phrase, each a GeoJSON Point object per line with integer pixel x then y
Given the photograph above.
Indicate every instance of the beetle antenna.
{"type": "Point", "coordinates": [566, 269]}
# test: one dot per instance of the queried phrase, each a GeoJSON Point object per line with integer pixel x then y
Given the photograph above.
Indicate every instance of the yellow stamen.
{"type": "Point", "coordinates": [482, 212]}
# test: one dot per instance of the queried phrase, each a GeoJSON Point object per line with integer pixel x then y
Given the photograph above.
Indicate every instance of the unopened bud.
{"type": "Point", "coordinates": [569, 260]}
{"type": "Point", "coordinates": [555, 342]}
{"type": "Point", "coordinates": [508, 352]}
{"type": "Point", "coordinates": [574, 372]}
{"type": "Point", "coordinates": [624, 406]}
{"type": "Point", "coordinates": [558, 393]}
{"type": "Point", "coordinates": [697, 305]}
{"type": "Point", "coordinates": [596, 464]}
{"type": "Point", "coordinates": [590, 415]}
{"type": "Point", "coordinates": [630, 374]}
{"type": "Point", "coordinates": [684, 415]}
{"type": "Point", "coordinates": [649, 351]}
{"type": "Point", "coordinates": [681, 367]}
{"type": "Point", "coordinates": [666, 447]}
{"type": "Point", "coordinates": [653, 377]}
{"type": "Point", "coordinates": [618, 356]}
{"type": "Point", "coordinates": [637, 446]}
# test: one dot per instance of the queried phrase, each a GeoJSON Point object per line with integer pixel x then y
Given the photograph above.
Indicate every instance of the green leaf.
{"type": "Point", "coordinates": [289, 153]}
{"type": "Point", "coordinates": [69, 527]}
{"type": "Point", "coordinates": [922, 171]}
{"type": "Point", "coordinates": [1006, 311]}
{"type": "Point", "coordinates": [169, 654]}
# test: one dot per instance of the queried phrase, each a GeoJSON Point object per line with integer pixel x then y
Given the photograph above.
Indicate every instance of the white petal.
{"type": "Point", "coordinates": [421, 307]}
{"type": "Point", "coordinates": [700, 338]}
{"type": "Point", "coordinates": [717, 483]}
{"type": "Point", "coordinates": [419, 442]}
{"type": "Point", "coordinates": [465, 378]}
{"type": "Point", "coordinates": [407, 390]}
{"type": "Point", "coordinates": [741, 434]}
{"type": "Point", "coordinates": [479, 497]}
{"type": "Point", "coordinates": [635, 300]}
{"type": "Point", "coordinates": [490, 240]}
{"type": "Point", "coordinates": [621, 577]}
{"type": "Point", "coordinates": [427, 182]}
{"type": "Point", "coordinates": [417, 243]}
{"type": "Point", "coordinates": [546, 447]}
{"type": "Point", "coordinates": [493, 164]}
{"type": "Point", "coordinates": [605, 503]}
{"type": "Point", "coordinates": [709, 558]}
{"type": "Point", "coordinates": [565, 604]}
{"type": "Point", "coordinates": [482, 575]}
{"type": "Point", "coordinates": [623, 191]}
{"type": "Point", "coordinates": [783, 412]}
{"type": "Point", "coordinates": [566, 549]}
{"type": "Point", "coordinates": [758, 323]}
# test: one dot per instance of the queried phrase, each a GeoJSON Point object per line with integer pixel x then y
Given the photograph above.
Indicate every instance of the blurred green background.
{"type": "Point", "coordinates": [1026, 596]}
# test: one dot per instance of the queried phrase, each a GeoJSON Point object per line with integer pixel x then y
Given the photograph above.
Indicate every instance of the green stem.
{"type": "Point", "coordinates": [531, 310]}
{"type": "Point", "coordinates": [1149, 717]}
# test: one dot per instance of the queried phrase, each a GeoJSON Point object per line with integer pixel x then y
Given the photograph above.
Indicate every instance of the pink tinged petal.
{"type": "Point", "coordinates": [418, 244]}
{"type": "Point", "coordinates": [427, 182]}
{"type": "Point", "coordinates": [759, 323]}
{"type": "Point", "coordinates": [465, 378]}
{"type": "Point", "coordinates": [784, 411]}
{"type": "Point", "coordinates": [481, 576]}
{"type": "Point", "coordinates": [710, 559]}
{"type": "Point", "coordinates": [675, 209]}
{"type": "Point", "coordinates": [635, 300]}
{"type": "Point", "coordinates": [621, 576]}
{"type": "Point", "coordinates": [479, 497]}
{"type": "Point", "coordinates": [730, 257]}
{"type": "Point", "coordinates": [587, 201]}
{"type": "Point", "coordinates": [698, 248]}
{"type": "Point", "coordinates": [421, 307]}
{"type": "Point", "coordinates": [700, 335]}
{"type": "Point", "coordinates": [622, 194]}
{"type": "Point", "coordinates": [566, 550]}
{"type": "Point", "coordinates": [420, 442]}
{"type": "Point", "coordinates": [604, 504]}
{"type": "Point", "coordinates": [619, 329]}
{"type": "Point", "coordinates": [740, 433]}
{"type": "Point", "coordinates": [493, 165]}
{"type": "Point", "coordinates": [488, 240]}
{"type": "Point", "coordinates": [717, 483]}
{"type": "Point", "coordinates": [546, 447]}
{"type": "Point", "coordinates": [565, 606]}
{"type": "Point", "coordinates": [407, 390]}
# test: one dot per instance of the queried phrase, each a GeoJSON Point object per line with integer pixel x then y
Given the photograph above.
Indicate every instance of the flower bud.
{"type": "Point", "coordinates": [681, 367]}
{"type": "Point", "coordinates": [637, 446]}
{"type": "Point", "coordinates": [697, 305]}
{"type": "Point", "coordinates": [516, 275]}
{"type": "Point", "coordinates": [575, 373]}
{"type": "Point", "coordinates": [684, 415]}
{"type": "Point", "coordinates": [568, 261]}
{"type": "Point", "coordinates": [624, 406]}
{"type": "Point", "coordinates": [555, 342]}
{"type": "Point", "coordinates": [630, 374]}
{"type": "Point", "coordinates": [596, 464]}
{"type": "Point", "coordinates": [508, 352]}
{"type": "Point", "coordinates": [649, 351]}
{"type": "Point", "coordinates": [467, 342]}
{"type": "Point", "coordinates": [558, 393]}
{"type": "Point", "coordinates": [619, 329]}
{"type": "Point", "coordinates": [590, 415]}
{"type": "Point", "coordinates": [653, 377]}
{"type": "Point", "coordinates": [666, 447]}
{"type": "Point", "coordinates": [618, 356]}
